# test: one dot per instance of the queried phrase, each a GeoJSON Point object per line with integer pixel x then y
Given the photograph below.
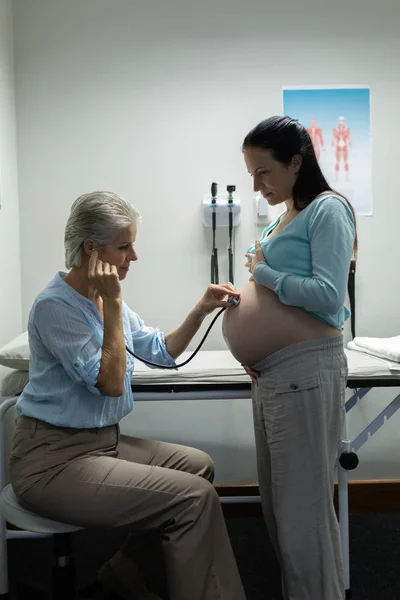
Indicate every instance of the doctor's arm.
{"type": "Point", "coordinates": [110, 379]}
{"type": "Point", "coordinates": [152, 344]}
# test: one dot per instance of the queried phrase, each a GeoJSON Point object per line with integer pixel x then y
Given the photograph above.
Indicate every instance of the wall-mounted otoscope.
{"type": "Point", "coordinates": [221, 210]}
{"type": "Point", "coordinates": [230, 189]}
{"type": "Point", "coordinates": [214, 252]}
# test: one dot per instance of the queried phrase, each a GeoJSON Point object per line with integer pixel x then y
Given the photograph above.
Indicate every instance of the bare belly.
{"type": "Point", "coordinates": [261, 325]}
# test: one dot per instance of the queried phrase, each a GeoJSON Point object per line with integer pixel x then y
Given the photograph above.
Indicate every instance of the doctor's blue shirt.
{"type": "Point", "coordinates": [65, 338]}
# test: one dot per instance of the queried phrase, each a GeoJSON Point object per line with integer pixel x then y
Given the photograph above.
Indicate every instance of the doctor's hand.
{"type": "Point", "coordinates": [215, 297]}
{"type": "Point", "coordinates": [104, 277]}
{"type": "Point", "coordinates": [253, 259]}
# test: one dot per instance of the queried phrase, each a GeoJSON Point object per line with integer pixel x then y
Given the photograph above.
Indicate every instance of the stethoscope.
{"type": "Point", "coordinates": [233, 302]}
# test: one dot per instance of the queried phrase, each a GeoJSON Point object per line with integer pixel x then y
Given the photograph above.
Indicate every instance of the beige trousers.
{"type": "Point", "coordinates": [97, 478]}
{"type": "Point", "coordinates": [298, 406]}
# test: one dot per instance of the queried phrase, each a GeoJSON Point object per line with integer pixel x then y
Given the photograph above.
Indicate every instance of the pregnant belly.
{"type": "Point", "coordinates": [261, 325]}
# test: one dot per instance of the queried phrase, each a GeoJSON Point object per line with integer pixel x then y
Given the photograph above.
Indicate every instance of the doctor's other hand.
{"type": "Point", "coordinates": [216, 296]}
{"type": "Point", "coordinates": [104, 277]}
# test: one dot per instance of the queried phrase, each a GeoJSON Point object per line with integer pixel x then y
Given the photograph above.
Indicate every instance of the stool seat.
{"type": "Point", "coordinates": [22, 518]}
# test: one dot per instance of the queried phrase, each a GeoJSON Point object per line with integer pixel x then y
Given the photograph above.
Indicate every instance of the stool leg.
{"type": "Point", "coordinates": [3, 559]}
{"type": "Point", "coordinates": [63, 576]}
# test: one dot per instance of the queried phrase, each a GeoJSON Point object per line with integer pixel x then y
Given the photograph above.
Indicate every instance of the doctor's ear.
{"type": "Point", "coordinates": [89, 246]}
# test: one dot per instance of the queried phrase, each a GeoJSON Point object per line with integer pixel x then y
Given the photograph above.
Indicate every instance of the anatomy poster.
{"type": "Point", "coordinates": [338, 121]}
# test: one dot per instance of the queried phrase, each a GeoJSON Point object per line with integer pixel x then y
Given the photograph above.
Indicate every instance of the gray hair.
{"type": "Point", "coordinates": [99, 216]}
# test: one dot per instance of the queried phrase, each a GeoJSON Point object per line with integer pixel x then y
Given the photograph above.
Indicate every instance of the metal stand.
{"type": "Point", "coordinates": [348, 461]}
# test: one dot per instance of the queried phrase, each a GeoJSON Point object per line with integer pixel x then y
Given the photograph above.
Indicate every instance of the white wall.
{"type": "Point", "coordinates": [10, 270]}
{"type": "Point", "coordinates": [152, 99]}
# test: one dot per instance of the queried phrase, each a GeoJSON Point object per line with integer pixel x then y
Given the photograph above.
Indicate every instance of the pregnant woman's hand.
{"type": "Point", "coordinates": [104, 277]}
{"type": "Point", "coordinates": [253, 374]}
{"type": "Point", "coordinates": [253, 259]}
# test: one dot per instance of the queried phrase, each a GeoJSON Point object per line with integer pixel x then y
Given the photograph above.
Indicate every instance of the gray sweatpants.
{"type": "Point", "coordinates": [97, 478]}
{"type": "Point", "coordinates": [298, 406]}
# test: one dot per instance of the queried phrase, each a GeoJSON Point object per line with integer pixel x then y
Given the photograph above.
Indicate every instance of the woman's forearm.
{"type": "Point", "coordinates": [178, 340]}
{"type": "Point", "coordinates": [110, 380]}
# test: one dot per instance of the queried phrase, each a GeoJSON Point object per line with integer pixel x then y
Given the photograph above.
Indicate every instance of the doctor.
{"type": "Point", "coordinates": [69, 462]}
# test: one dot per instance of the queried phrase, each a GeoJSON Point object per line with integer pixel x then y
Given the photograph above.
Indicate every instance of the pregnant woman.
{"type": "Point", "coordinates": [287, 332]}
